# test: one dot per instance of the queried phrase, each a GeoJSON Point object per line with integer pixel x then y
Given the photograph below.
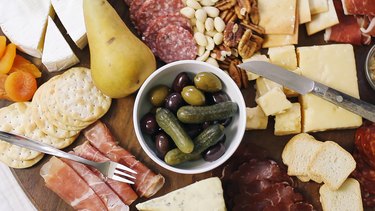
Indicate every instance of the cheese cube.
{"type": "Point", "coordinates": [304, 14]}
{"type": "Point", "coordinates": [274, 102]}
{"type": "Point", "coordinates": [256, 119]}
{"type": "Point", "coordinates": [288, 122]}
{"type": "Point", "coordinates": [323, 20]}
{"type": "Point", "coordinates": [334, 66]}
{"type": "Point", "coordinates": [256, 57]}
{"type": "Point", "coordinates": [277, 16]}
{"type": "Point", "coordinates": [318, 6]}
{"type": "Point", "coordinates": [283, 56]}
{"type": "Point", "coordinates": [263, 85]}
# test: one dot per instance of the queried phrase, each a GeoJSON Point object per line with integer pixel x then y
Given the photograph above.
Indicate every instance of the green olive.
{"type": "Point", "coordinates": [158, 95]}
{"type": "Point", "coordinates": [193, 96]}
{"type": "Point", "coordinates": [207, 82]}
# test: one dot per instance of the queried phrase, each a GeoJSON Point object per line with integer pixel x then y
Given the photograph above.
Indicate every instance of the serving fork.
{"type": "Point", "coordinates": [109, 169]}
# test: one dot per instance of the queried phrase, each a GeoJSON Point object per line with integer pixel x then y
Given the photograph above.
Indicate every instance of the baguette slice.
{"type": "Point", "coordinates": [332, 164]}
{"type": "Point", "coordinates": [346, 198]}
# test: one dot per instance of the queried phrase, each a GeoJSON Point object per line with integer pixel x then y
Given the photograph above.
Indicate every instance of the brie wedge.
{"type": "Point", "coordinates": [57, 54]}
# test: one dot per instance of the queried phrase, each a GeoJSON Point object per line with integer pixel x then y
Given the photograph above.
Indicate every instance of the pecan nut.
{"type": "Point", "coordinates": [255, 28]}
{"type": "Point", "coordinates": [225, 4]}
{"type": "Point", "coordinates": [246, 47]}
{"type": "Point", "coordinates": [245, 79]}
{"type": "Point", "coordinates": [235, 73]}
{"type": "Point", "coordinates": [243, 8]}
{"type": "Point", "coordinates": [228, 16]}
{"type": "Point", "coordinates": [258, 40]}
{"type": "Point", "coordinates": [232, 34]}
{"type": "Point", "coordinates": [254, 15]}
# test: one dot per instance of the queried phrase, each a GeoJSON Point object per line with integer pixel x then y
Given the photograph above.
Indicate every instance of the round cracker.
{"type": "Point", "coordinates": [19, 164]}
{"type": "Point", "coordinates": [14, 120]}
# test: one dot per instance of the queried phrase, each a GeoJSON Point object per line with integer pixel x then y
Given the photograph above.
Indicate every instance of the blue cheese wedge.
{"type": "Point", "coordinates": [205, 195]}
{"type": "Point", "coordinates": [24, 23]}
{"type": "Point", "coordinates": [70, 13]}
{"type": "Point", "coordinates": [57, 54]}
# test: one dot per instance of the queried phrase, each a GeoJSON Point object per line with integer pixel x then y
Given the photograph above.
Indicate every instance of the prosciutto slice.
{"type": "Point", "coordinates": [359, 7]}
{"type": "Point", "coordinates": [123, 190]}
{"type": "Point", "coordinates": [106, 194]}
{"type": "Point", "coordinates": [66, 183]}
{"type": "Point", "coordinates": [147, 182]}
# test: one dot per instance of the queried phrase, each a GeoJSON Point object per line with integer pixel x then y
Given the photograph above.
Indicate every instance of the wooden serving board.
{"type": "Point", "coordinates": [119, 120]}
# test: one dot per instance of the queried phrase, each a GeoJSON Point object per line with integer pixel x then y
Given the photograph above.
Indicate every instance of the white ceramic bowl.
{"type": "Point", "coordinates": [165, 75]}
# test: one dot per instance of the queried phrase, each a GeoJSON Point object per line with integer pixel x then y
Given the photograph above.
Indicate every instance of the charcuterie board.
{"type": "Point", "coordinates": [120, 121]}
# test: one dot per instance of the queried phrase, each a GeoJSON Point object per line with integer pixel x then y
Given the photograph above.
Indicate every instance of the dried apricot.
{"type": "Point", "coordinates": [3, 45]}
{"type": "Point", "coordinates": [20, 86]}
{"type": "Point", "coordinates": [22, 64]}
{"type": "Point", "coordinates": [6, 62]}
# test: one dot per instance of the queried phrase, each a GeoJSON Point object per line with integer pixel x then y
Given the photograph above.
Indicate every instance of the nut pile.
{"type": "Point", "coordinates": [242, 36]}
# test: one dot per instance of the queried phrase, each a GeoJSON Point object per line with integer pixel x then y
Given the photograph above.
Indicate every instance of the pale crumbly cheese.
{"type": "Point", "coordinates": [70, 13]}
{"type": "Point", "coordinates": [334, 66]}
{"type": "Point", "coordinates": [200, 196]}
{"type": "Point", "coordinates": [288, 122]}
{"type": "Point", "coordinates": [256, 57]}
{"type": "Point", "coordinates": [256, 119]}
{"type": "Point", "coordinates": [274, 102]}
{"type": "Point", "coordinates": [318, 6]}
{"type": "Point", "coordinates": [57, 54]}
{"type": "Point", "coordinates": [277, 16]}
{"type": "Point", "coordinates": [284, 56]}
{"type": "Point", "coordinates": [323, 20]}
{"type": "Point", "coordinates": [276, 40]}
{"type": "Point", "coordinates": [264, 85]}
{"type": "Point", "coordinates": [24, 23]}
{"type": "Point", "coordinates": [304, 14]}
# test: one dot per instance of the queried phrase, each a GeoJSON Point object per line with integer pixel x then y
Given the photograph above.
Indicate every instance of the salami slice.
{"type": "Point", "coordinates": [175, 43]}
{"type": "Point", "coordinates": [128, 2]}
{"type": "Point", "coordinates": [365, 142]}
{"type": "Point", "coordinates": [152, 9]}
{"type": "Point", "coordinates": [134, 7]}
{"type": "Point", "coordinates": [155, 25]}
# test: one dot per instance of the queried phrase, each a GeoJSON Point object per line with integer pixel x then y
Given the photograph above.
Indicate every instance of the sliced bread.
{"type": "Point", "coordinates": [346, 198]}
{"type": "Point", "coordinates": [332, 164]}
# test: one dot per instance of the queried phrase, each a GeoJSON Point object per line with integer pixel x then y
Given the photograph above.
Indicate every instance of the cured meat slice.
{"type": "Point", "coordinates": [359, 7]}
{"type": "Point", "coordinates": [365, 142]}
{"type": "Point", "coordinates": [66, 183]}
{"type": "Point", "coordinates": [348, 29]}
{"type": "Point", "coordinates": [152, 9]}
{"type": "Point", "coordinates": [155, 25]}
{"type": "Point", "coordinates": [123, 190]}
{"type": "Point", "coordinates": [368, 199]}
{"type": "Point", "coordinates": [105, 193]}
{"type": "Point", "coordinates": [175, 43]}
{"type": "Point", "coordinates": [147, 183]}
{"type": "Point", "coordinates": [135, 5]}
{"type": "Point", "coordinates": [128, 2]}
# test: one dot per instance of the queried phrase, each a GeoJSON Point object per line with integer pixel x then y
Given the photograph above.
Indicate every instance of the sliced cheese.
{"type": "Point", "coordinates": [256, 119]}
{"type": "Point", "coordinates": [288, 122]}
{"type": "Point", "coordinates": [200, 196]}
{"type": "Point", "coordinates": [323, 20]}
{"type": "Point", "coordinates": [277, 16]}
{"type": "Point", "coordinates": [256, 57]}
{"type": "Point", "coordinates": [334, 66]}
{"type": "Point", "coordinates": [24, 23]}
{"type": "Point", "coordinates": [304, 14]}
{"type": "Point", "coordinates": [275, 40]}
{"type": "Point", "coordinates": [70, 13]}
{"type": "Point", "coordinates": [57, 54]}
{"type": "Point", "coordinates": [318, 6]}
{"type": "Point", "coordinates": [274, 102]}
{"type": "Point", "coordinates": [283, 56]}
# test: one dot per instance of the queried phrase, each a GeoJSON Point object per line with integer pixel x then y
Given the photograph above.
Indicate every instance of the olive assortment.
{"type": "Point", "coordinates": [187, 120]}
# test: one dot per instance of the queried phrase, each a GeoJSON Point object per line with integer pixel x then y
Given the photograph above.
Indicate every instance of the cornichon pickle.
{"type": "Point", "coordinates": [209, 137]}
{"type": "Point", "coordinates": [169, 123]}
{"type": "Point", "coordinates": [200, 114]}
{"type": "Point", "coordinates": [207, 82]}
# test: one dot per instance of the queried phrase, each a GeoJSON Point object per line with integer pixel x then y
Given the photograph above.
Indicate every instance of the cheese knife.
{"type": "Point", "coordinates": [305, 85]}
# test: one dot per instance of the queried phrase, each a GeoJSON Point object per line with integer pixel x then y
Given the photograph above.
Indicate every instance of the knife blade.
{"type": "Point", "coordinates": [304, 85]}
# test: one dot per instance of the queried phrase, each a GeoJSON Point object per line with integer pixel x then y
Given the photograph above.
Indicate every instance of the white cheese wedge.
{"type": "Point", "coordinates": [334, 66]}
{"type": "Point", "coordinates": [277, 16]}
{"type": "Point", "coordinates": [304, 14]}
{"type": "Point", "coordinates": [283, 56]}
{"type": "Point", "coordinates": [323, 20]}
{"type": "Point", "coordinates": [318, 6]}
{"type": "Point", "coordinates": [288, 122]}
{"type": "Point", "coordinates": [57, 54]}
{"type": "Point", "coordinates": [256, 57]}
{"type": "Point", "coordinates": [24, 23]}
{"type": "Point", "coordinates": [70, 13]}
{"type": "Point", "coordinates": [256, 119]}
{"type": "Point", "coordinates": [201, 196]}
{"type": "Point", "coordinates": [274, 102]}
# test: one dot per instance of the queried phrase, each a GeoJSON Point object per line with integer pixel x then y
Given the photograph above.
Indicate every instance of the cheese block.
{"type": "Point", "coordinates": [283, 56]}
{"type": "Point", "coordinates": [256, 57]}
{"type": "Point", "coordinates": [256, 119]}
{"type": "Point", "coordinates": [323, 20]}
{"type": "Point", "coordinates": [24, 23]}
{"type": "Point", "coordinates": [200, 196]}
{"type": "Point", "coordinates": [288, 122]}
{"type": "Point", "coordinates": [57, 54]}
{"type": "Point", "coordinates": [318, 6]}
{"type": "Point", "coordinates": [334, 66]}
{"type": "Point", "coordinates": [277, 16]}
{"type": "Point", "coordinates": [304, 14]}
{"type": "Point", "coordinates": [289, 92]}
{"type": "Point", "coordinates": [70, 13]}
{"type": "Point", "coordinates": [274, 102]}
{"type": "Point", "coordinates": [263, 85]}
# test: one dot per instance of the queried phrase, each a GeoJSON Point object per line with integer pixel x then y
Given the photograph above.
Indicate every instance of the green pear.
{"type": "Point", "coordinates": [120, 62]}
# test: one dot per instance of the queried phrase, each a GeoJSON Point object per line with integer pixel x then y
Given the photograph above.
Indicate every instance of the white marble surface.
{"type": "Point", "coordinates": [12, 197]}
